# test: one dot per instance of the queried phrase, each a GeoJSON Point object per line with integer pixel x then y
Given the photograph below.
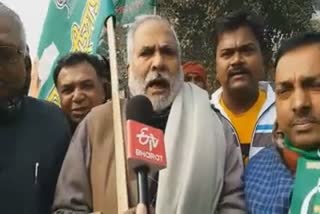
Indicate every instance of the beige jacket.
{"type": "Point", "coordinates": [87, 179]}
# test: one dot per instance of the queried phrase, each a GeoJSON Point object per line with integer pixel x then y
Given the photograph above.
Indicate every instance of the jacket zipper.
{"type": "Point", "coordinates": [235, 132]}
{"type": "Point", "coordinates": [255, 127]}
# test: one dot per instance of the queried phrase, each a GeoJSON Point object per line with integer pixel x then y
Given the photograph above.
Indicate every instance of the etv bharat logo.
{"type": "Point", "coordinates": [145, 139]}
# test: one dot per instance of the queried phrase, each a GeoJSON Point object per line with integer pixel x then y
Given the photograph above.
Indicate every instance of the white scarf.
{"type": "Point", "coordinates": [195, 149]}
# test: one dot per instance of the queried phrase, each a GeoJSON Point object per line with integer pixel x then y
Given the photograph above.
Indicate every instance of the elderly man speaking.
{"type": "Point", "coordinates": [197, 178]}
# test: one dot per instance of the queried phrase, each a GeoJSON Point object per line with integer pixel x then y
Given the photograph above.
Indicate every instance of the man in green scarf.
{"type": "Point", "coordinates": [287, 179]}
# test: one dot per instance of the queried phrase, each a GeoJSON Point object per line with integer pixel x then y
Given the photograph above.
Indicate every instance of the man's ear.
{"type": "Point", "coordinates": [28, 68]}
{"type": "Point", "coordinates": [107, 89]}
{"type": "Point", "coordinates": [28, 63]}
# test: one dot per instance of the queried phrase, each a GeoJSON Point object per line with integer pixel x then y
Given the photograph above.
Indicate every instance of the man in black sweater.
{"type": "Point", "coordinates": [34, 135]}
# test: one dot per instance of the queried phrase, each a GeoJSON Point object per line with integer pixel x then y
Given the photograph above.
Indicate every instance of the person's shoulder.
{"type": "Point", "coordinates": [104, 111]}
{"type": "Point", "coordinates": [101, 109]}
{"type": "Point", "coordinates": [266, 153]}
{"type": "Point", "coordinates": [202, 92]}
{"type": "Point", "coordinates": [48, 118]}
{"type": "Point", "coordinates": [44, 112]}
{"type": "Point", "coordinates": [42, 106]}
{"type": "Point", "coordinates": [264, 158]}
{"type": "Point", "coordinates": [196, 93]}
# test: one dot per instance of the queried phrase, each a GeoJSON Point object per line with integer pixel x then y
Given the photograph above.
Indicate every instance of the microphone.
{"type": "Point", "coordinates": [146, 150]}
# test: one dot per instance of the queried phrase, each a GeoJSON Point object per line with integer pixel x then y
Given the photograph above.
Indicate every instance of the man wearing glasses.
{"type": "Point", "coordinates": [34, 135]}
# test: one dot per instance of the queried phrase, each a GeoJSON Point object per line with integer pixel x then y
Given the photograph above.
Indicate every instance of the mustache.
{"type": "Point", "coordinates": [238, 70]}
{"type": "Point", "coordinates": [158, 81]}
{"type": "Point", "coordinates": [305, 119]}
{"type": "Point", "coordinates": [156, 78]}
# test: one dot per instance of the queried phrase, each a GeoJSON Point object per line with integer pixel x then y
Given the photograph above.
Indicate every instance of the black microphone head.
{"type": "Point", "coordinates": [139, 108]}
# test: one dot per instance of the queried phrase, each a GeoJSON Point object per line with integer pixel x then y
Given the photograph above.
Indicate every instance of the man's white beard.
{"type": "Point", "coordinates": [137, 86]}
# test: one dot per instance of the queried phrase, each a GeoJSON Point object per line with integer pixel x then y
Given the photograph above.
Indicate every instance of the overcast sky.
{"type": "Point", "coordinates": [32, 13]}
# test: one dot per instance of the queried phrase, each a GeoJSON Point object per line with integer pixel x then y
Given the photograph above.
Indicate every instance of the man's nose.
{"type": "Point", "coordinates": [158, 62]}
{"type": "Point", "coordinates": [237, 59]}
{"type": "Point", "coordinates": [78, 96]}
{"type": "Point", "coordinates": [301, 103]}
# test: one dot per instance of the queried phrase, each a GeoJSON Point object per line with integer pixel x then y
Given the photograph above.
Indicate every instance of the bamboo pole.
{"type": "Point", "coordinates": [122, 191]}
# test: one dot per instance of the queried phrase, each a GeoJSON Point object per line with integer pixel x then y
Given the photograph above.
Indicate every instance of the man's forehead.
{"type": "Point", "coordinates": [153, 24]}
{"type": "Point", "coordinates": [237, 37]}
{"type": "Point", "coordinates": [154, 31]}
{"type": "Point", "coordinates": [299, 63]}
{"type": "Point", "coordinates": [82, 68]}
{"type": "Point", "coordinates": [70, 75]}
{"type": "Point", "coordinates": [192, 74]}
{"type": "Point", "coordinates": [9, 32]}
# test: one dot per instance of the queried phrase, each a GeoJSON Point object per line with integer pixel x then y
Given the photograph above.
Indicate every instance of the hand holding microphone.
{"type": "Point", "coordinates": [146, 150]}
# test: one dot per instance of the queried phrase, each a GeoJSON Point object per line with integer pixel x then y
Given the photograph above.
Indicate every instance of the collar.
{"type": "Point", "coordinates": [263, 85]}
{"type": "Point", "coordinates": [9, 108]}
{"type": "Point", "coordinates": [160, 119]}
{"type": "Point", "coordinates": [289, 158]}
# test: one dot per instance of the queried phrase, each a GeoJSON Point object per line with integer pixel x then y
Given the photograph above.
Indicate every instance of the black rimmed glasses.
{"type": "Point", "coordinates": [9, 54]}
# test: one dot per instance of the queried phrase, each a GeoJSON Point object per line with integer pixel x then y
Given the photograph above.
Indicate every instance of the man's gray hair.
{"type": "Point", "coordinates": [139, 20]}
{"type": "Point", "coordinates": [7, 12]}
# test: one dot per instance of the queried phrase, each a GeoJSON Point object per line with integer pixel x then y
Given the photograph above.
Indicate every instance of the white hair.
{"type": "Point", "coordinates": [7, 12]}
{"type": "Point", "coordinates": [139, 20]}
{"type": "Point", "coordinates": [138, 84]}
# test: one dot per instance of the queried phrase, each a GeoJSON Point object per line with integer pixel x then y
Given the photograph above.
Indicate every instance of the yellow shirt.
{"type": "Point", "coordinates": [245, 122]}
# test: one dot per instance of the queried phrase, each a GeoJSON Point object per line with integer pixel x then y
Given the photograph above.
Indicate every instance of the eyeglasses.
{"type": "Point", "coordinates": [10, 54]}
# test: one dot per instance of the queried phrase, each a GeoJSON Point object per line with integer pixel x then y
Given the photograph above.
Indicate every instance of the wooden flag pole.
{"type": "Point", "coordinates": [122, 191]}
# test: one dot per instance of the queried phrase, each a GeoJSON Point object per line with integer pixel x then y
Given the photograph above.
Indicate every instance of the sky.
{"type": "Point", "coordinates": [32, 13]}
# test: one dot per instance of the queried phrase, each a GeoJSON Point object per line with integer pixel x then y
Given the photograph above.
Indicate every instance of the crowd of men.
{"type": "Point", "coordinates": [248, 149]}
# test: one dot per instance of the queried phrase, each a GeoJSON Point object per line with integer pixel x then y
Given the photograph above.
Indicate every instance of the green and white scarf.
{"type": "Point", "coordinates": [306, 189]}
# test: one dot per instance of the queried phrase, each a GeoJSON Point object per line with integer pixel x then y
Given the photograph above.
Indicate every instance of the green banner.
{"type": "Point", "coordinates": [306, 191]}
{"type": "Point", "coordinates": [127, 10]}
{"type": "Point", "coordinates": [70, 25]}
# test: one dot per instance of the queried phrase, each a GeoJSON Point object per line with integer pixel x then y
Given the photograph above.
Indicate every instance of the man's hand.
{"type": "Point", "coordinates": [140, 209]}
{"type": "Point", "coordinates": [131, 211]}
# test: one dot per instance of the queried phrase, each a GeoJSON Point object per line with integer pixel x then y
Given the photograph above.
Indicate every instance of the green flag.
{"type": "Point", "coordinates": [70, 25]}
{"type": "Point", "coordinates": [127, 10]}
